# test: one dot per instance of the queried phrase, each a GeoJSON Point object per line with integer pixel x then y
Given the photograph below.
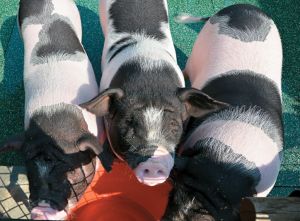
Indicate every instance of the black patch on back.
{"type": "Point", "coordinates": [248, 89]}
{"type": "Point", "coordinates": [62, 40]}
{"type": "Point", "coordinates": [244, 22]}
{"type": "Point", "coordinates": [243, 16]}
{"type": "Point", "coordinates": [133, 16]}
{"type": "Point", "coordinates": [219, 178]}
{"type": "Point", "coordinates": [137, 79]}
{"type": "Point", "coordinates": [30, 8]}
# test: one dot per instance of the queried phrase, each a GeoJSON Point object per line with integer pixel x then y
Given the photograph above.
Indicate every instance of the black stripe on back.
{"type": "Point", "coordinates": [117, 43]}
{"type": "Point", "coordinates": [121, 48]}
{"type": "Point", "coordinates": [138, 80]}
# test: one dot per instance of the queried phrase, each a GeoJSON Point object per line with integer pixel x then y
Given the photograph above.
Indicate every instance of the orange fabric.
{"type": "Point", "coordinates": [118, 195]}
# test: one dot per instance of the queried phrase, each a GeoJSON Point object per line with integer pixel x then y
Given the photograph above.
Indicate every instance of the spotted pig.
{"type": "Point", "coordinates": [235, 152]}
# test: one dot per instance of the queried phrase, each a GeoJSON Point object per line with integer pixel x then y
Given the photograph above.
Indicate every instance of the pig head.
{"type": "Point", "coordinates": [59, 152]}
{"type": "Point", "coordinates": [146, 131]}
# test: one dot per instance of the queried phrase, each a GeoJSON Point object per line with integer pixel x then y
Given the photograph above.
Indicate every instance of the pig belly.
{"type": "Point", "coordinates": [216, 54]}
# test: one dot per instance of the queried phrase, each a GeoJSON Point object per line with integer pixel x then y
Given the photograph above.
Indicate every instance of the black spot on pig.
{"type": "Point", "coordinates": [244, 22]}
{"type": "Point", "coordinates": [130, 16]}
{"type": "Point", "coordinates": [35, 10]}
{"type": "Point", "coordinates": [213, 181]}
{"type": "Point", "coordinates": [61, 40]}
{"type": "Point", "coordinates": [251, 91]}
{"type": "Point", "coordinates": [135, 75]}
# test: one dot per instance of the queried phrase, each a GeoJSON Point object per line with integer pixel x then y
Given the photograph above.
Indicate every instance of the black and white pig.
{"type": "Point", "coordinates": [60, 139]}
{"type": "Point", "coordinates": [235, 152]}
{"type": "Point", "coordinates": [142, 97]}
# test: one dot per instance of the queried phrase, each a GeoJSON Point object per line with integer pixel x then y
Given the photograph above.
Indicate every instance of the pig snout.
{"type": "Point", "coordinates": [44, 212]}
{"type": "Point", "coordinates": [156, 169]}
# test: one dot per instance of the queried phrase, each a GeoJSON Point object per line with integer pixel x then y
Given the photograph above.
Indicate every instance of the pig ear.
{"type": "Point", "coordinates": [90, 142]}
{"type": "Point", "coordinates": [100, 104]}
{"type": "Point", "coordinates": [12, 143]}
{"type": "Point", "coordinates": [197, 103]}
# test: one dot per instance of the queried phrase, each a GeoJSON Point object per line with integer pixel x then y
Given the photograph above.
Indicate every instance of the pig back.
{"type": "Point", "coordinates": [237, 59]}
{"type": "Point", "coordinates": [56, 66]}
{"type": "Point", "coordinates": [135, 30]}
{"type": "Point", "coordinates": [239, 37]}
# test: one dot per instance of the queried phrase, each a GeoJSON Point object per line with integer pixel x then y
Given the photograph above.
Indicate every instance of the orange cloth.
{"type": "Point", "coordinates": [118, 195]}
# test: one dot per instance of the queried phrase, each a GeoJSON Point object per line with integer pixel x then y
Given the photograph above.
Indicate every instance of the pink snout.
{"type": "Point", "coordinates": [155, 170]}
{"type": "Point", "coordinates": [45, 212]}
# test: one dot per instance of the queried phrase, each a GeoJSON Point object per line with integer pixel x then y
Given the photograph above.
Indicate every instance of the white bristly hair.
{"type": "Point", "coordinates": [153, 118]}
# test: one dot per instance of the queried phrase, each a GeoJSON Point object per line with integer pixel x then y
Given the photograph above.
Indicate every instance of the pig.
{"type": "Point", "coordinates": [235, 152]}
{"type": "Point", "coordinates": [60, 139]}
{"type": "Point", "coordinates": [142, 99]}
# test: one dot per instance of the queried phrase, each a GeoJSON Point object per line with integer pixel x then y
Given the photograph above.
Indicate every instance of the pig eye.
{"type": "Point", "coordinates": [173, 123]}
{"type": "Point", "coordinates": [47, 159]}
{"type": "Point", "coordinates": [131, 122]}
{"type": "Point", "coordinates": [169, 110]}
{"type": "Point", "coordinates": [112, 114]}
{"type": "Point", "coordinates": [130, 134]}
{"type": "Point", "coordinates": [71, 171]}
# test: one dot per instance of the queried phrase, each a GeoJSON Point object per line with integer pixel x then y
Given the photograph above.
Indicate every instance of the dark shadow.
{"type": "Point", "coordinates": [6, 31]}
{"type": "Point", "coordinates": [11, 88]}
{"type": "Point", "coordinates": [181, 58]}
{"type": "Point", "coordinates": [196, 26]}
{"type": "Point", "coordinates": [16, 193]}
{"type": "Point", "coordinates": [295, 193]}
{"type": "Point", "coordinates": [92, 38]}
{"type": "Point", "coordinates": [14, 189]}
{"type": "Point", "coordinates": [286, 16]}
